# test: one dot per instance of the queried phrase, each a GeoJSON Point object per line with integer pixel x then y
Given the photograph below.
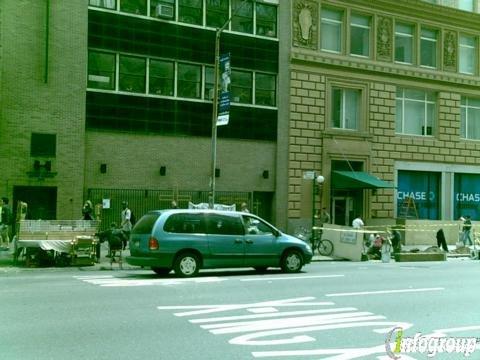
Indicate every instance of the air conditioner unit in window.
{"type": "Point", "coordinates": [165, 11]}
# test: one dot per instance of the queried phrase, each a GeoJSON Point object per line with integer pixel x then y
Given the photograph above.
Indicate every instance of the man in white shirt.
{"type": "Point", "coordinates": [357, 223]}
{"type": "Point", "coordinates": [126, 224]}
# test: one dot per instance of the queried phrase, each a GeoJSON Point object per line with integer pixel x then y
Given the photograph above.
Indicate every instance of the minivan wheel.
{"type": "Point", "coordinates": [161, 271]}
{"type": "Point", "coordinates": [187, 265]}
{"type": "Point", "coordinates": [292, 261]}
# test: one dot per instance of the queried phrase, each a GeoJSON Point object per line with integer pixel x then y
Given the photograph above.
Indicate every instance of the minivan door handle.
{"type": "Point", "coordinates": [238, 241]}
{"type": "Point", "coordinates": [248, 241]}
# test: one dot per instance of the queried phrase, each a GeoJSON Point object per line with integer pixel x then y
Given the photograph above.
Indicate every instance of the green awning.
{"type": "Point", "coordinates": [357, 180]}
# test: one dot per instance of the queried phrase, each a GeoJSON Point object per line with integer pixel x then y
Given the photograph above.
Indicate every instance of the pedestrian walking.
{"type": "Point", "coordinates": [5, 222]}
{"type": "Point", "coordinates": [87, 211]}
{"type": "Point", "coordinates": [467, 227]}
{"type": "Point", "coordinates": [126, 224]}
{"type": "Point", "coordinates": [357, 223]}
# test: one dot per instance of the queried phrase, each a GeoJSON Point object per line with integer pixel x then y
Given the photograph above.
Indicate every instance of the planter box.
{"type": "Point", "coordinates": [401, 257]}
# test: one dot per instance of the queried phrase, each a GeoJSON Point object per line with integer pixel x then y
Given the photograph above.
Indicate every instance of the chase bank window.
{"type": "Point", "coordinates": [132, 72]}
{"type": "Point", "coordinates": [241, 86]}
{"type": "Point", "coordinates": [415, 112]}
{"type": "Point", "coordinates": [101, 70]}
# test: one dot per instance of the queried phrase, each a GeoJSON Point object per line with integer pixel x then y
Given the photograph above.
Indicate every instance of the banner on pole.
{"type": "Point", "coordinates": [224, 103]}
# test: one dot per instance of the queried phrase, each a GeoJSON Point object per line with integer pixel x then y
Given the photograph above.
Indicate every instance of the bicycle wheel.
{"type": "Point", "coordinates": [325, 247]}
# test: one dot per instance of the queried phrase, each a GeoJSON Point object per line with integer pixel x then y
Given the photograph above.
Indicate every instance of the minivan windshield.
{"type": "Point", "coordinates": [145, 224]}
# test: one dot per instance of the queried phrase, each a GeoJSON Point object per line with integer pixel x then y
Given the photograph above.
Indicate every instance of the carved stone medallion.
{"type": "Point", "coordinates": [305, 24]}
{"type": "Point", "coordinates": [450, 51]}
{"type": "Point", "coordinates": [384, 39]}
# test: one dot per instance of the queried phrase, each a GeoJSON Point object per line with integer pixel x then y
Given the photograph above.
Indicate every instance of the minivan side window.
{"type": "Point", "coordinates": [224, 225]}
{"type": "Point", "coordinates": [185, 224]}
{"type": "Point", "coordinates": [145, 224]}
{"type": "Point", "coordinates": [253, 226]}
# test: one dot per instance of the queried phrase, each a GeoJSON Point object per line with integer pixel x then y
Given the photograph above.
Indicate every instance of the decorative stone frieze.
{"type": "Point", "coordinates": [450, 51]}
{"type": "Point", "coordinates": [384, 38]}
{"type": "Point", "coordinates": [305, 24]}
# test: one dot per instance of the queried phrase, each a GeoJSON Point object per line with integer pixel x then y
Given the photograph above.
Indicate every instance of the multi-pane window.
{"type": "Point", "coordinates": [266, 20]}
{"type": "Point", "coordinates": [331, 30]}
{"type": "Point", "coordinates": [138, 7]}
{"type": "Point", "coordinates": [101, 70]}
{"type": "Point", "coordinates": [107, 4]}
{"type": "Point", "coordinates": [470, 127]}
{"type": "Point", "coordinates": [217, 13]}
{"type": "Point", "coordinates": [162, 9]}
{"type": "Point", "coordinates": [189, 81]}
{"type": "Point", "coordinates": [242, 16]}
{"type": "Point", "coordinates": [190, 11]}
{"type": "Point", "coordinates": [209, 83]}
{"type": "Point", "coordinates": [467, 5]}
{"type": "Point", "coordinates": [161, 77]}
{"type": "Point", "coordinates": [241, 87]}
{"type": "Point", "coordinates": [404, 43]}
{"type": "Point", "coordinates": [428, 48]}
{"type": "Point", "coordinates": [132, 74]}
{"type": "Point", "coordinates": [467, 55]}
{"type": "Point", "coordinates": [346, 108]}
{"type": "Point", "coordinates": [360, 35]}
{"type": "Point", "coordinates": [415, 112]}
{"type": "Point", "coordinates": [265, 89]}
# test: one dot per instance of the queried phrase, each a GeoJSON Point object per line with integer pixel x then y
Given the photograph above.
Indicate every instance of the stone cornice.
{"type": "Point", "coordinates": [381, 68]}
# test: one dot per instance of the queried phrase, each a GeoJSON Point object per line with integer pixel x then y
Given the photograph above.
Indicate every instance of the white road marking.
{"type": "Point", "coordinates": [291, 277]}
{"type": "Point", "coordinates": [385, 292]}
{"type": "Point", "coordinates": [111, 281]}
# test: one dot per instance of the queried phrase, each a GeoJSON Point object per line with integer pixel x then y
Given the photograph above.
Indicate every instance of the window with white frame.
{"type": "Point", "coordinates": [428, 48]}
{"type": "Point", "coordinates": [345, 108]}
{"type": "Point", "coordinates": [470, 125]}
{"type": "Point", "coordinates": [190, 11]}
{"type": "Point", "coordinates": [331, 30]}
{"type": "Point", "coordinates": [161, 77]}
{"type": "Point", "coordinates": [467, 54]}
{"type": "Point", "coordinates": [138, 7]}
{"type": "Point", "coordinates": [415, 112]}
{"type": "Point", "coordinates": [404, 40]}
{"type": "Point", "coordinates": [209, 83]}
{"type": "Point", "coordinates": [266, 20]}
{"type": "Point", "coordinates": [101, 70]}
{"type": "Point", "coordinates": [217, 12]}
{"type": "Point", "coordinates": [360, 35]}
{"type": "Point", "coordinates": [242, 16]}
{"type": "Point", "coordinates": [132, 72]}
{"type": "Point", "coordinates": [265, 89]}
{"type": "Point", "coordinates": [107, 4]}
{"type": "Point", "coordinates": [189, 80]}
{"type": "Point", "coordinates": [241, 86]}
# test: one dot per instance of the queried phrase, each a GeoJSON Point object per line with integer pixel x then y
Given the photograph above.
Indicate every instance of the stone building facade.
{"type": "Point", "coordinates": [385, 90]}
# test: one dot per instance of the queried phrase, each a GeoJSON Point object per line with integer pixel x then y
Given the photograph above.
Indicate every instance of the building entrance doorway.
{"type": "Point", "coordinates": [342, 210]}
{"type": "Point", "coordinates": [41, 200]}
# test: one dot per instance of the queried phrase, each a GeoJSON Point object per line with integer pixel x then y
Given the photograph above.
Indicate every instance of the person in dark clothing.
{"type": "Point", "coordinates": [115, 238]}
{"type": "Point", "coordinates": [396, 241]}
{"type": "Point", "coordinates": [441, 242]}
{"type": "Point", "coordinates": [87, 211]}
{"type": "Point", "coordinates": [467, 227]}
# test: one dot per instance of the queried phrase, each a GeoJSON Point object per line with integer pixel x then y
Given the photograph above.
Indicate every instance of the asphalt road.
{"type": "Point", "coordinates": [332, 310]}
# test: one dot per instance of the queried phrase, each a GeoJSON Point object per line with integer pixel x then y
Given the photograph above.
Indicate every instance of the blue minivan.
{"type": "Point", "coordinates": [189, 240]}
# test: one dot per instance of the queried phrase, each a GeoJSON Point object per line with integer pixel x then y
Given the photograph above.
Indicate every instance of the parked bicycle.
{"type": "Point", "coordinates": [323, 246]}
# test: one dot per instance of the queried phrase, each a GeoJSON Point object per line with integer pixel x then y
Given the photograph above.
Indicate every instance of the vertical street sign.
{"type": "Point", "coordinates": [224, 103]}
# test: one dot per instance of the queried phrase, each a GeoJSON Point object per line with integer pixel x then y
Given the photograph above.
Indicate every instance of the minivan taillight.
{"type": "Point", "coordinates": [153, 243]}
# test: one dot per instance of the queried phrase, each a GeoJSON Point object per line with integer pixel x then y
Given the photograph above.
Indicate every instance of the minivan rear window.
{"type": "Point", "coordinates": [145, 224]}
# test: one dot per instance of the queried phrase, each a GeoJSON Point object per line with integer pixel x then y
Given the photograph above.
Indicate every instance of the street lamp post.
{"type": "Point", "coordinates": [317, 180]}
{"type": "Point", "coordinates": [218, 32]}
